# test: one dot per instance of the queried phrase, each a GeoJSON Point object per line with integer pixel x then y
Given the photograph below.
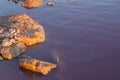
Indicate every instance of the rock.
{"type": "Point", "coordinates": [51, 3]}
{"type": "Point", "coordinates": [1, 58]}
{"type": "Point", "coordinates": [7, 42]}
{"type": "Point", "coordinates": [10, 52]}
{"type": "Point", "coordinates": [36, 65]}
{"type": "Point", "coordinates": [32, 3]}
{"type": "Point", "coordinates": [12, 31]}
{"type": "Point", "coordinates": [7, 34]}
{"type": "Point", "coordinates": [23, 28]}
{"type": "Point", "coordinates": [2, 36]}
{"type": "Point", "coordinates": [17, 32]}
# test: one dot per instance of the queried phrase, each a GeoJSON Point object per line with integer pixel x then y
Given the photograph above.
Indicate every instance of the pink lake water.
{"type": "Point", "coordinates": [82, 38]}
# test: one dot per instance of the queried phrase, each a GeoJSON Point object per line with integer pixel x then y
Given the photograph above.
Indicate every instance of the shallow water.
{"type": "Point", "coordinates": [82, 37]}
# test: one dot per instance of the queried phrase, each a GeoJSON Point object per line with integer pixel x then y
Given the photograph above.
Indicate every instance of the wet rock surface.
{"type": "Point", "coordinates": [10, 52]}
{"type": "Point", "coordinates": [36, 65]}
{"type": "Point", "coordinates": [17, 32]}
{"type": "Point", "coordinates": [32, 3]}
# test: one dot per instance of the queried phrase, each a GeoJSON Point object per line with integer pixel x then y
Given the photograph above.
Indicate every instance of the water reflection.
{"type": "Point", "coordinates": [16, 1]}
{"type": "Point", "coordinates": [34, 46]}
{"type": "Point", "coordinates": [56, 54]}
{"type": "Point", "coordinates": [31, 75]}
{"type": "Point", "coordinates": [69, 1]}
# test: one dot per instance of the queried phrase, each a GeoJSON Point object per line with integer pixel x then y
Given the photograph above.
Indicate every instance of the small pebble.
{"type": "Point", "coordinates": [51, 3]}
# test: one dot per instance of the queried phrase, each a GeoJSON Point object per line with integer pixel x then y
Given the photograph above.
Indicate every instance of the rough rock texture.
{"type": "Point", "coordinates": [35, 65]}
{"type": "Point", "coordinates": [32, 3]}
{"type": "Point", "coordinates": [10, 52]}
{"type": "Point", "coordinates": [16, 32]}
{"type": "Point", "coordinates": [22, 28]}
{"type": "Point", "coordinates": [1, 58]}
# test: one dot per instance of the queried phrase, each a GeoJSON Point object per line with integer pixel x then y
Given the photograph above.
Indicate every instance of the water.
{"type": "Point", "coordinates": [82, 37]}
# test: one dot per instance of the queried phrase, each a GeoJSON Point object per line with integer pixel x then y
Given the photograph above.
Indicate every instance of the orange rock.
{"type": "Point", "coordinates": [28, 31]}
{"type": "Point", "coordinates": [13, 51]}
{"type": "Point", "coordinates": [32, 3]}
{"type": "Point", "coordinates": [10, 52]}
{"type": "Point", "coordinates": [35, 65]}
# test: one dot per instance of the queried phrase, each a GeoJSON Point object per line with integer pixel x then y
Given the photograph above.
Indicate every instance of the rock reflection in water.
{"type": "Point", "coordinates": [31, 75]}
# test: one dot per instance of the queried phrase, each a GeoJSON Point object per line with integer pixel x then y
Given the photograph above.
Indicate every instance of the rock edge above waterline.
{"type": "Point", "coordinates": [36, 65]}
{"type": "Point", "coordinates": [18, 32]}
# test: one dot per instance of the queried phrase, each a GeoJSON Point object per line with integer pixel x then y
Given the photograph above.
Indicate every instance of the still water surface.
{"type": "Point", "coordinates": [82, 37]}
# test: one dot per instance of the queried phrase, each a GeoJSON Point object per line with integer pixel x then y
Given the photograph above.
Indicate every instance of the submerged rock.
{"type": "Point", "coordinates": [35, 65]}
{"type": "Point", "coordinates": [10, 52]}
{"type": "Point", "coordinates": [32, 3]}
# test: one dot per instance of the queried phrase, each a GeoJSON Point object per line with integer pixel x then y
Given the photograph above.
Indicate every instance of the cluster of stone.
{"type": "Point", "coordinates": [36, 65]}
{"type": "Point", "coordinates": [17, 32]}
{"type": "Point", "coordinates": [30, 4]}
